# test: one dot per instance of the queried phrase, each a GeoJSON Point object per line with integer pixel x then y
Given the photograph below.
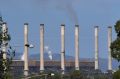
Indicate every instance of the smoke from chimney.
{"type": "Point", "coordinates": [22, 57]}
{"type": "Point", "coordinates": [61, 5]}
{"type": "Point", "coordinates": [49, 52]}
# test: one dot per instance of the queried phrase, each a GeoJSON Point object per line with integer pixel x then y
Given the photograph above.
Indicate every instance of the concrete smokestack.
{"type": "Point", "coordinates": [26, 49]}
{"type": "Point", "coordinates": [76, 47]}
{"type": "Point", "coordinates": [4, 27]}
{"type": "Point", "coordinates": [96, 48]}
{"type": "Point", "coordinates": [109, 50]}
{"type": "Point", "coordinates": [63, 48]}
{"type": "Point", "coordinates": [41, 47]}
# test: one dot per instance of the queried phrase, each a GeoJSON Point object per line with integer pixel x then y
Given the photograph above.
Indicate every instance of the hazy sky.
{"type": "Point", "coordinates": [53, 13]}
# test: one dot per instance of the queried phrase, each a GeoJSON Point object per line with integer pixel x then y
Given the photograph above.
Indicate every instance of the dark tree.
{"type": "Point", "coordinates": [6, 49]}
{"type": "Point", "coordinates": [115, 45]}
{"type": "Point", "coordinates": [76, 75]}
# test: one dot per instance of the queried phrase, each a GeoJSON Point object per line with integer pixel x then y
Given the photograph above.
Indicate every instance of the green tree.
{"type": "Point", "coordinates": [115, 49]}
{"type": "Point", "coordinates": [98, 76]}
{"type": "Point", "coordinates": [116, 75]}
{"type": "Point", "coordinates": [115, 45]}
{"type": "Point", "coordinates": [10, 53]}
{"type": "Point", "coordinates": [76, 75]}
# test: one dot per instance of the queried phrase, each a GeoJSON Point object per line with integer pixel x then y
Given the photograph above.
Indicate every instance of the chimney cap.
{"type": "Point", "coordinates": [96, 27]}
{"type": "Point", "coordinates": [4, 23]}
{"type": "Point", "coordinates": [76, 25]}
{"type": "Point", "coordinates": [41, 24]}
{"type": "Point", "coordinates": [62, 24]}
{"type": "Point", "coordinates": [25, 23]}
{"type": "Point", "coordinates": [109, 26]}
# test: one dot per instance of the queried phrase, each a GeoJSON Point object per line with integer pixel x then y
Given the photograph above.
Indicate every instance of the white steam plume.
{"type": "Point", "coordinates": [50, 55]}
{"type": "Point", "coordinates": [22, 57]}
{"type": "Point", "coordinates": [48, 51]}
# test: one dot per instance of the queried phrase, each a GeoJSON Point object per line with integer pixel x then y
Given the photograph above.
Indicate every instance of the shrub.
{"type": "Point", "coordinates": [116, 75]}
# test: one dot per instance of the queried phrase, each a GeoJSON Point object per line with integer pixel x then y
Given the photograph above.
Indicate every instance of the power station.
{"type": "Point", "coordinates": [61, 65]}
{"type": "Point", "coordinates": [63, 61]}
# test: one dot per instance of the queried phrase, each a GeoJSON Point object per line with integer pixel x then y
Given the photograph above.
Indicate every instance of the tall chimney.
{"type": "Point", "coordinates": [4, 47]}
{"type": "Point", "coordinates": [76, 47]}
{"type": "Point", "coordinates": [109, 50]}
{"type": "Point", "coordinates": [96, 48]}
{"type": "Point", "coordinates": [4, 27]}
{"type": "Point", "coordinates": [63, 48]}
{"type": "Point", "coordinates": [41, 47]}
{"type": "Point", "coordinates": [26, 49]}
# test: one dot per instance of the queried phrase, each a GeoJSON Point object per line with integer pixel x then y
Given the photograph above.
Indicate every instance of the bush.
{"type": "Point", "coordinates": [76, 75]}
{"type": "Point", "coordinates": [116, 75]}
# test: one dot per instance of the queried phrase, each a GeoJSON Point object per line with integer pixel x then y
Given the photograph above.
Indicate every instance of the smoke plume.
{"type": "Point", "coordinates": [49, 52]}
{"type": "Point", "coordinates": [61, 5]}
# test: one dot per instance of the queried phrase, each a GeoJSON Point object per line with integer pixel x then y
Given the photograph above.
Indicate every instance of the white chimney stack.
{"type": "Point", "coordinates": [96, 48]}
{"type": "Point", "coordinates": [76, 47]}
{"type": "Point", "coordinates": [109, 50]}
{"type": "Point", "coordinates": [26, 69]}
{"type": "Point", "coordinates": [41, 47]}
{"type": "Point", "coordinates": [4, 30]}
{"type": "Point", "coordinates": [63, 48]}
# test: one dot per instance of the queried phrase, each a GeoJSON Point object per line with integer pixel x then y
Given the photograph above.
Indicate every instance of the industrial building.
{"type": "Point", "coordinates": [17, 67]}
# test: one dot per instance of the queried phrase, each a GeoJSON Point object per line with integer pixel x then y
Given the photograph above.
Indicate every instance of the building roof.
{"type": "Point", "coordinates": [52, 63]}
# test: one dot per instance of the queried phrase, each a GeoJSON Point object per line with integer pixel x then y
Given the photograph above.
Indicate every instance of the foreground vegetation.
{"type": "Point", "coordinates": [70, 75]}
{"type": "Point", "coordinates": [6, 52]}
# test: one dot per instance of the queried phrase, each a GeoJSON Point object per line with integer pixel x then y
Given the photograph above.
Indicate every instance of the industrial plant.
{"type": "Point", "coordinates": [35, 66]}
{"type": "Point", "coordinates": [27, 67]}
